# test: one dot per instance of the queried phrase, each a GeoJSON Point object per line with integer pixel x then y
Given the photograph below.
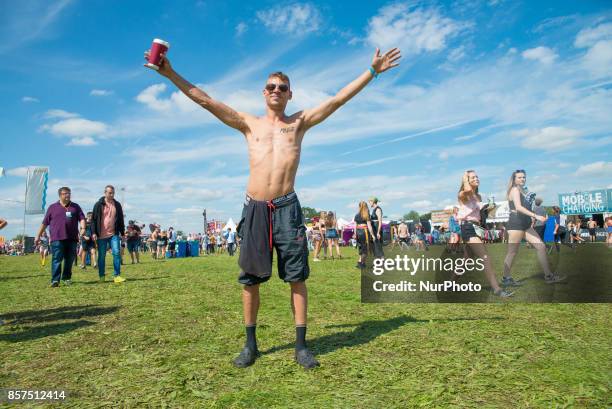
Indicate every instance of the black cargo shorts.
{"type": "Point", "coordinates": [265, 225]}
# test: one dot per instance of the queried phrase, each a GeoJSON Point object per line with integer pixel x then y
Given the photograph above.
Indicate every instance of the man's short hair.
{"type": "Point", "coordinates": [538, 201]}
{"type": "Point", "coordinates": [63, 189]}
{"type": "Point", "coordinates": [89, 213]}
{"type": "Point", "coordinates": [283, 77]}
{"type": "Point", "coordinates": [109, 186]}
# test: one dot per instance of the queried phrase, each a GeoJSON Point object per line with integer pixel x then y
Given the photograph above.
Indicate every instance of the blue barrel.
{"type": "Point", "coordinates": [182, 249]}
{"type": "Point", "coordinates": [194, 246]}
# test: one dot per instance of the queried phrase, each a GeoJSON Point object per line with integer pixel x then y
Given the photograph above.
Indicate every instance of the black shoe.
{"type": "Point", "coordinates": [246, 358]}
{"type": "Point", "coordinates": [305, 358]}
{"type": "Point", "coordinates": [55, 284]}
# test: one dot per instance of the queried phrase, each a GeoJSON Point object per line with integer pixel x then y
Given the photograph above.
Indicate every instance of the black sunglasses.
{"type": "Point", "coordinates": [281, 87]}
{"type": "Point", "coordinates": [520, 171]}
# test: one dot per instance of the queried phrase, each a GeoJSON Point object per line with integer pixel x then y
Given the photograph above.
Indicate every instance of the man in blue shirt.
{"type": "Point", "coordinates": [231, 241]}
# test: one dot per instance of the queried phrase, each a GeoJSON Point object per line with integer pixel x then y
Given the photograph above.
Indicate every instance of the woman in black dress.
{"type": "Point", "coordinates": [376, 219]}
{"type": "Point", "coordinates": [520, 227]}
{"type": "Point", "coordinates": [363, 233]}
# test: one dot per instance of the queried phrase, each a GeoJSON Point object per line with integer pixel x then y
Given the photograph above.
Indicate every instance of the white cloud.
{"type": "Point", "coordinates": [149, 97]}
{"type": "Point", "coordinates": [59, 113]}
{"type": "Point", "coordinates": [590, 36]}
{"type": "Point", "coordinates": [598, 41]}
{"type": "Point", "coordinates": [186, 150]}
{"type": "Point", "coordinates": [29, 99]}
{"type": "Point", "coordinates": [25, 22]}
{"type": "Point", "coordinates": [83, 141]}
{"type": "Point", "coordinates": [419, 205]}
{"type": "Point", "coordinates": [100, 92]}
{"type": "Point", "coordinates": [407, 137]}
{"type": "Point", "coordinates": [551, 138]}
{"type": "Point", "coordinates": [175, 104]}
{"type": "Point", "coordinates": [198, 194]}
{"type": "Point", "coordinates": [598, 59]}
{"type": "Point", "coordinates": [414, 30]}
{"type": "Point", "coordinates": [391, 190]}
{"type": "Point", "coordinates": [542, 54]}
{"type": "Point", "coordinates": [553, 22]}
{"type": "Point", "coordinates": [188, 210]}
{"type": "Point", "coordinates": [241, 28]}
{"type": "Point", "coordinates": [601, 168]}
{"type": "Point", "coordinates": [296, 19]}
{"type": "Point", "coordinates": [77, 128]}
{"type": "Point", "coordinates": [456, 54]}
{"type": "Point", "coordinates": [464, 137]}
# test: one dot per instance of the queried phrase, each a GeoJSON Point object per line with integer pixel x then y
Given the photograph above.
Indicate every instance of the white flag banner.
{"type": "Point", "coordinates": [1, 172]}
{"type": "Point", "coordinates": [36, 190]}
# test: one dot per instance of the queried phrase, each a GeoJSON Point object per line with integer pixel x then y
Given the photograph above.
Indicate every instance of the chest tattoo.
{"type": "Point", "coordinates": [286, 130]}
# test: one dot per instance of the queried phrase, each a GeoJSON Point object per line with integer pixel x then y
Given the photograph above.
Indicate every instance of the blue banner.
{"type": "Point", "coordinates": [593, 201]}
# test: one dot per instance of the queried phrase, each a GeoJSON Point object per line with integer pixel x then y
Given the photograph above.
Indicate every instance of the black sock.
{"type": "Point", "coordinates": [300, 337]}
{"type": "Point", "coordinates": [251, 341]}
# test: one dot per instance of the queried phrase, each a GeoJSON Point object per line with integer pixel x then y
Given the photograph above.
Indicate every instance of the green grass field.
{"type": "Point", "coordinates": [166, 337]}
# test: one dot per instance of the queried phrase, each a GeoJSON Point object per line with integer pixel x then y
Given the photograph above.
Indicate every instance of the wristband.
{"type": "Point", "coordinates": [373, 72]}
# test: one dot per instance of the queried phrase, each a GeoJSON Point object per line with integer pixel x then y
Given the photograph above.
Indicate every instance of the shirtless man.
{"type": "Point", "coordinates": [402, 233]}
{"type": "Point", "coordinates": [272, 216]}
{"type": "Point", "coordinates": [592, 226]}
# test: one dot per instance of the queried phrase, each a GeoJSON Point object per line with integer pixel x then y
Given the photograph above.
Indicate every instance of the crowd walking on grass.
{"type": "Point", "coordinates": [72, 239]}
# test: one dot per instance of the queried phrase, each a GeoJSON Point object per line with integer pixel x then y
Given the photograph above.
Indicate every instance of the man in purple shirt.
{"type": "Point", "coordinates": [62, 218]}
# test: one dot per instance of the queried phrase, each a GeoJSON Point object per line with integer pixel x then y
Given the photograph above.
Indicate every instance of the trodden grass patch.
{"type": "Point", "coordinates": [166, 337]}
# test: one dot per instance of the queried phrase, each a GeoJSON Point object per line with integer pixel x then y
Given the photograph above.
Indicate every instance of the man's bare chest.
{"type": "Point", "coordinates": [282, 135]}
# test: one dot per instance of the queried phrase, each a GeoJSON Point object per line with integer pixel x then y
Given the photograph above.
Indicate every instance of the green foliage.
{"type": "Point", "coordinates": [549, 210]}
{"type": "Point", "coordinates": [411, 215]}
{"type": "Point", "coordinates": [309, 212]}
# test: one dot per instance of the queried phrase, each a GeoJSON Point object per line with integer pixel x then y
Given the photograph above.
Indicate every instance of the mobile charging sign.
{"type": "Point", "coordinates": [593, 201]}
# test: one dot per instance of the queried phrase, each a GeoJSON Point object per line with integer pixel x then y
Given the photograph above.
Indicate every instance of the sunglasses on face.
{"type": "Point", "coordinates": [281, 87]}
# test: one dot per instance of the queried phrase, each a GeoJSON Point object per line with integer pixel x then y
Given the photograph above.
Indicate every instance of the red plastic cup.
{"type": "Point", "coordinates": [158, 48]}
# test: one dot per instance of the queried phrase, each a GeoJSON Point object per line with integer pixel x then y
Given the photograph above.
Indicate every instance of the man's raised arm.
{"type": "Point", "coordinates": [380, 63]}
{"type": "Point", "coordinates": [226, 114]}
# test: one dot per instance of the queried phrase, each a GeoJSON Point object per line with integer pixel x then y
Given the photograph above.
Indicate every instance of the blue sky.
{"type": "Point", "coordinates": [489, 85]}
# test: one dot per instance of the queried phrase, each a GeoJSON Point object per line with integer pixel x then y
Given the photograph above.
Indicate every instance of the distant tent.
{"type": "Point", "coordinates": [341, 223]}
{"type": "Point", "coordinates": [230, 224]}
{"type": "Point", "coordinates": [349, 226]}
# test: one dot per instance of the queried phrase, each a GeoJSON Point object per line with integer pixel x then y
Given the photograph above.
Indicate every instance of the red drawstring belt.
{"type": "Point", "coordinates": [271, 208]}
